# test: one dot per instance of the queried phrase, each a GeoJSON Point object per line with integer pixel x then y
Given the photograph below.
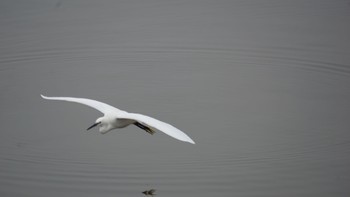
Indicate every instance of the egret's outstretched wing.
{"type": "Point", "coordinates": [159, 125]}
{"type": "Point", "coordinates": [102, 107]}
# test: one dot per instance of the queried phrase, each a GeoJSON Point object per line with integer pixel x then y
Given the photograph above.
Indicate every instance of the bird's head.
{"type": "Point", "coordinates": [104, 124]}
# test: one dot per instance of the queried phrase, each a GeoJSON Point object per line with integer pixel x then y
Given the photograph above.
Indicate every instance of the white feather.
{"type": "Point", "coordinates": [159, 125]}
{"type": "Point", "coordinates": [116, 118]}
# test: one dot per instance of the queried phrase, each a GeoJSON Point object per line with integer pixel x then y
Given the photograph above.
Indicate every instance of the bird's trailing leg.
{"type": "Point", "coordinates": [144, 127]}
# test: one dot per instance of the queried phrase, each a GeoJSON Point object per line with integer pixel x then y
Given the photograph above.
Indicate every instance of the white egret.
{"type": "Point", "coordinates": [115, 118]}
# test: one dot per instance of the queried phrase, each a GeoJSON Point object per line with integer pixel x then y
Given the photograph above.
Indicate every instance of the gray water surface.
{"type": "Point", "coordinates": [262, 87]}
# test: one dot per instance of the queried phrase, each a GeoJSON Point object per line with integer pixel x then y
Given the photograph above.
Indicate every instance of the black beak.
{"type": "Point", "coordinates": [94, 125]}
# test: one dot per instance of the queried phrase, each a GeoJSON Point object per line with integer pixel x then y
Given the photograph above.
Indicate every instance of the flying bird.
{"type": "Point", "coordinates": [115, 118]}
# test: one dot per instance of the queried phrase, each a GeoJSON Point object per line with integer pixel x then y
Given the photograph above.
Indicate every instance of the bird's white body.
{"type": "Point", "coordinates": [115, 118]}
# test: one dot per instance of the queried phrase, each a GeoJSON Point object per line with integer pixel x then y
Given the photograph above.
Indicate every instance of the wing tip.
{"type": "Point", "coordinates": [189, 140]}
{"type": "Point", "coordinates": [45, 97]}
{"type": "Point", "coordinates": [192, 142]}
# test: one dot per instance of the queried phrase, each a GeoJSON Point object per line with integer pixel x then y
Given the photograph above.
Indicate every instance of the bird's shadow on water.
{"type": "Point", "coordinates": [150, 192]}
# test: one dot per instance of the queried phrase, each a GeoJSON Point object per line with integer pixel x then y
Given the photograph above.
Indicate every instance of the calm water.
{"type": "Point", "coordinates": [263, 87]}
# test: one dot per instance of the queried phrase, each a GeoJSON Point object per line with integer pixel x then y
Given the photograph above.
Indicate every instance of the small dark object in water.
{"type": "Point", "coordinates": [150, 192]}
